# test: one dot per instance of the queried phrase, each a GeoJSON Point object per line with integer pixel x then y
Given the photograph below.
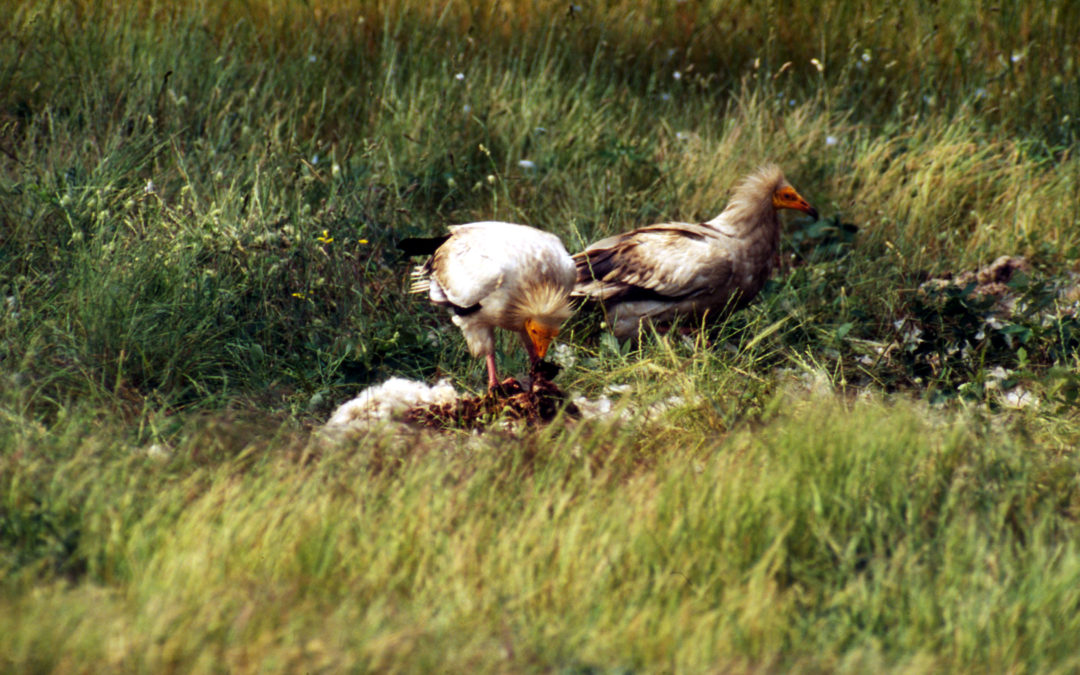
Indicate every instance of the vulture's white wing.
{"type": "Point", "coordinates": [480, 258]}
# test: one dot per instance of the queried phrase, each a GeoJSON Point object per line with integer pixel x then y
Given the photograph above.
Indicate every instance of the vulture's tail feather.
{"type": "Point", "coordinates": [411, 246]}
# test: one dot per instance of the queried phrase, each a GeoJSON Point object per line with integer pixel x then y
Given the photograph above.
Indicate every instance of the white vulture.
{"type": "Point", "coordinates": [492, 274]}
{"type": "Point", "coordinates": [666, 270]}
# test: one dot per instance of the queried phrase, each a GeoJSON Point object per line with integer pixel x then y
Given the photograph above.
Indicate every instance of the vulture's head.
{"type": "Point", "coordinates": [785, 197]}
{"type": "Point", "coordinates": [761, 194]}
{"type": "Point", "coordinates": [543, 308]}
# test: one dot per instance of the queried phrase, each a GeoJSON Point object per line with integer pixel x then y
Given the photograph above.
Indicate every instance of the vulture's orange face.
{"type": "Point", "coordinates": [540, 335]}
{"type": "Point", "coordinates": [786, 197]}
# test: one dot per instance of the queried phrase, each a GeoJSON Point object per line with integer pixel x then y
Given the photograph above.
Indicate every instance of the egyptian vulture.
{"type": "Point", "coordinates": [493, 274]}
{"type": "Point", "coordinates": [662, 271]}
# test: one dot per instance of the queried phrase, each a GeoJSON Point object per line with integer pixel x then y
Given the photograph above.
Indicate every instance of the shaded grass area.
{"type": "Point", "coordinates": [211, 207]}
{"type": "Point", "coordinates": [198, 211]}
{"type": "Point", "coordinates": [203, 203]}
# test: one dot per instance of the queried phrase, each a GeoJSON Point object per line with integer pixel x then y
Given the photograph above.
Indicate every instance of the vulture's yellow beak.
{"type": "Point", "coordinates": [540, 335]}
{"type": "Point", "coordinates": [787, 198]}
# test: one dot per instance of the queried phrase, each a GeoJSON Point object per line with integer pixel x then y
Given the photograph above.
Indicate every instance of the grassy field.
{"type": "Point", "coordinates": [198, 209]}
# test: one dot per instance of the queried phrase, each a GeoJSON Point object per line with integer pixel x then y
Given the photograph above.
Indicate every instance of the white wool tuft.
{"type": "Point", "coordinates": [388, 400]}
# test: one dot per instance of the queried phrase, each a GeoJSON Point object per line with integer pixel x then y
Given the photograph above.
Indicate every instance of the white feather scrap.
{"type": "Point", "coordinates": [386, 402]}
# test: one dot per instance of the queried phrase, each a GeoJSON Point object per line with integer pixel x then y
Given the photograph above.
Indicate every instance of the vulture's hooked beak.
{"type": "Point", "coordinates": [787, 198]}
{"type": "Point", "coordinates": [540, 336]}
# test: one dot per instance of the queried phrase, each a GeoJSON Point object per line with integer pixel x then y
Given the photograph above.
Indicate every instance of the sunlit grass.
{"type": "Point", "coordinates": [865, 530]}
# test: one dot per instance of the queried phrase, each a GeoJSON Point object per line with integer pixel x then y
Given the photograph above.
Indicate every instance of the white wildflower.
{"type": "Point", "coordinates": [564, 355]}
{"type": "Point", "coordinates": [831, 141]}
{"type": "Point", "coordinates": [600, 407]}
{"type": "Point", "coordinates": [527, 164]}
{"type": "Point", "coordinates": [459, 77]}
{"type": "Point", "coordinates": [158, 451]}
{"type": "Point", "coordinates": [1018, 397]}
{"type": "Point", "coordinates": [997, 373]}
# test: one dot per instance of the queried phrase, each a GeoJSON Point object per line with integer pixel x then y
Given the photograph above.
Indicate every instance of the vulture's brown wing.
{"type": "Point", "coordinates": [672, 260]}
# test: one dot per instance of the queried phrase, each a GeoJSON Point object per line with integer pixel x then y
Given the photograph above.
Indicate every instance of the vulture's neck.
{"type": "Point", "coordinates": [545, 302]}
{"type": "Point", "coordinates": [751, 205]}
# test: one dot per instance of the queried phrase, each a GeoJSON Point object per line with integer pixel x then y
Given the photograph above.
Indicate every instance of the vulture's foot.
{"type": "Point", "coordinates": [505, 389]}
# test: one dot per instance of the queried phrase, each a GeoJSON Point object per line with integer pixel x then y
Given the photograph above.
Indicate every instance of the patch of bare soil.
{"type": "Point", "coordinates": [536, 401]}
{"type": "Point", "coordinates": [992, 279]}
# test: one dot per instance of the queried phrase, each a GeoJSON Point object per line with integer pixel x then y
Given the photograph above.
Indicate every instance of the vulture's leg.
{"type": "Point", "coordinates": [493, 377]}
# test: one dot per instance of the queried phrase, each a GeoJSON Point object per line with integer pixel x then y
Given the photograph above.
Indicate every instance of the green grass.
{"type": "Point", "coordinates": [864, 534]}
{"type": "Point", "coordinates": [198, 210]}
